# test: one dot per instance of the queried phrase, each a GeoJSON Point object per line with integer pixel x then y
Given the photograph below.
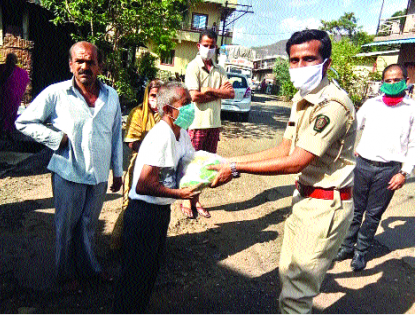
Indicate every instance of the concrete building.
{"type": "Point", "coordinates": [399, 32]}
{"type": "Point", "coordinates": [204, 15]}
{"type": "Point", "coordinates": [263, 68]}
{"type": "Point", "coordinates": [266, 58]}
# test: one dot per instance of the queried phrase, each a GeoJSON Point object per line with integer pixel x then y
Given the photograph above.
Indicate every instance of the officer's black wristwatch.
{"type": "Point", "coordinates": [235, 173]}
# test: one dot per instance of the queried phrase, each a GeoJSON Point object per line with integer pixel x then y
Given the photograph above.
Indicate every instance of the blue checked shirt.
{"type": "Point", "coordinates": [95, 139]}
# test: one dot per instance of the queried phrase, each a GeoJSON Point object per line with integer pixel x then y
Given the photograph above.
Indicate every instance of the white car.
{"type": "Point", "coordinates": [241, 103]}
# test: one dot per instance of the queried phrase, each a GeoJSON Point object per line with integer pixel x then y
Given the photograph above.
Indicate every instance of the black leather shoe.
{"type": "Point", "coordinates": [358, 262]}
{"type": "Point", "coordinates": [343, 254]}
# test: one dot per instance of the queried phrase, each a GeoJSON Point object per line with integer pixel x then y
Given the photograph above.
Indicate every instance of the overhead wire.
{"type": "Point", "coordinates": [256, 27]}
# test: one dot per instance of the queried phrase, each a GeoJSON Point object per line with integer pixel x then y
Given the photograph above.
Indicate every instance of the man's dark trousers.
{"type": "Point", "coordinates": [144, 236]}
{"type": "Point", "coordinates": [371, 197]}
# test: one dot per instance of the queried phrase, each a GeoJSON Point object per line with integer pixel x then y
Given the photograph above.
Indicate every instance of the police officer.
{"type": "Point", "coordinates": [317, 146]}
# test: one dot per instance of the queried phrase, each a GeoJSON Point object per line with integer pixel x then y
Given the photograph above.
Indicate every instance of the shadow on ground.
{"type": "Point", "coordinates": [384, 296]}
{"type": "Point", "coordinates": [268, 195]}
{"type": "Point", "coordinates": [194, 280]}
{"type": "Point", "coordinates": [191, 279]}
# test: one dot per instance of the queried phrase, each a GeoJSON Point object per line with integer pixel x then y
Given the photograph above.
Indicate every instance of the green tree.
{"type": "Point", "coordinates": [281, 71]}
{"type": "Point", "coordinates": [146, 66]}
{"type": "Point", "coordinates": [346, 26]}
{"type": "Point", "coordinates": [345, 70]}
{"type": "Point", "coordinates": [115, 26]}
{"type": "Point", "coordinates": [343, 63]}
{"type": "Point", "coordinates": [361, 38]}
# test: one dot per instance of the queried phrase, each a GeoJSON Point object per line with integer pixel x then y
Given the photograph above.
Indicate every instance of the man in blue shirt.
{"type": "Point", "coordinates": [85, 135]}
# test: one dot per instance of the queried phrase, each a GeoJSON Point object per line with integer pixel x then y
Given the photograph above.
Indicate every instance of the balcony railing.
{"type": "Point", "coordinates": [264, 65]}
{"type": "Point", "coordinates": [398, 25]}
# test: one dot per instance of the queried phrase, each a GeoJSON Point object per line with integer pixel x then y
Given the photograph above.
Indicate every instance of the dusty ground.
{"type": "Point", "coordinates": [225, 264]}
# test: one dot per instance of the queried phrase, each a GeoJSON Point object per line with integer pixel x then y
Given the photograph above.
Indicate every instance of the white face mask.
{"type": "Point", "coordinates": [206, 53]}
{"type": "Point", "coordinates": [306, 79]}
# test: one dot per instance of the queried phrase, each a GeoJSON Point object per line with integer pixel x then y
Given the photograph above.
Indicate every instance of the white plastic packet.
{"type": "Point", "coordinates": [192, 171]}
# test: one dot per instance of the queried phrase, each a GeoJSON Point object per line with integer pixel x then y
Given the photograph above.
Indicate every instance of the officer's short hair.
{"type": "Point", "coordinates": [308, 35]}
{"type": "Point", "coordinates": [168, 94]}
{"type": "Point", "coordinates": [395, 65]}
{"type": "Point", "coordinates": [209, 33]}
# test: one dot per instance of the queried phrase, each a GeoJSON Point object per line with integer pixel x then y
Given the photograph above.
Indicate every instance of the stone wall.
{"type": "Point", "coordinates": [23, 49]}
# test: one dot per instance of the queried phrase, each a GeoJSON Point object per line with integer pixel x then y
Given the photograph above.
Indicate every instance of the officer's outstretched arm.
{"type": "Point", "coordinates": [279, 151]}
{"type": "Point", "coordinates": [290, 164]}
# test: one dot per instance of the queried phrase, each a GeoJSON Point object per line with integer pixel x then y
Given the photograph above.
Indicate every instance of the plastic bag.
{"type": "Point", "coordinates": [192, 171]}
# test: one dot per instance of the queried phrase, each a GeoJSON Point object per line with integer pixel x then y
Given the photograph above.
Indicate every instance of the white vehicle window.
{"type": "Point", "coordinates": [238, 82]}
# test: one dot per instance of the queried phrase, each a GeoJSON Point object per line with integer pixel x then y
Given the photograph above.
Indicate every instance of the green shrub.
{"type": "Point", "coordinates": [357, 100]}
{"type": "Point", "coordinates": [146, 66]}
{"type": "Point", "coordinates": [281, 71]}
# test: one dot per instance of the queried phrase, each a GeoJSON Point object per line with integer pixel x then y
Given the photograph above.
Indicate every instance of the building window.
{"type": "Point", "coordinates": [167, 58]}
{"type": "Point", "coordinates": [199, 21]}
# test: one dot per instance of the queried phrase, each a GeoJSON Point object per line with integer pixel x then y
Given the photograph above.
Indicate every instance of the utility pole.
{"type": "Point", "coordinates": [244, 9]}
{"type": "Point", "coordinates": [224, 16]}
{"type": "Point", "coordinates": [380, 14]}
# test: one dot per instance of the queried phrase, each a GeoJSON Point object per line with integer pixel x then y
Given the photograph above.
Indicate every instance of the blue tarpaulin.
{"type": "Point", "coordinates": [392, 42]}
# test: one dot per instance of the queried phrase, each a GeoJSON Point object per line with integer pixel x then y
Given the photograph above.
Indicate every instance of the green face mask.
{"type": "Point", "coordinates": [393, 89]}
{"type": "Point", "coordinates": [185, 117]}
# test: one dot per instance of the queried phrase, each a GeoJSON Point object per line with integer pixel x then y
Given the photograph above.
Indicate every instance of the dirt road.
{"type": "Point", "coordinates": [225, 264]}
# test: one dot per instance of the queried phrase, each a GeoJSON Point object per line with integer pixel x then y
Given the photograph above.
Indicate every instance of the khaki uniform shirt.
{"type": "Point", "coordinates": [323, 123]}
{"type": "Point", "coordinates": [207, 115]}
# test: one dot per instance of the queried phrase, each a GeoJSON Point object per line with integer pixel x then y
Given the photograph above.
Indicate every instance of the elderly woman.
{"type": "Point", "coordinates": [140, 120]}
{"type": "Point", "coordinates": [147, 216]}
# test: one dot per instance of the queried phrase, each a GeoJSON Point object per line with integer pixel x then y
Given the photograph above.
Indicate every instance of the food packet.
{"type": "Point", "coordinates": [192, 170]}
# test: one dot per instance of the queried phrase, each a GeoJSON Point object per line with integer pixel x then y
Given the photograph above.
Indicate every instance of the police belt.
{"type": "Point", "coordinates": [323, 193]}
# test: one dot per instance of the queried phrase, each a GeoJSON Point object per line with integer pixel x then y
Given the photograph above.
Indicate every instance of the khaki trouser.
{"type": "Point", "coordinates": [312, 236]}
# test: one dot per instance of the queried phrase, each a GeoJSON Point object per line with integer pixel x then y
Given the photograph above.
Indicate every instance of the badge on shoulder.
{"type": "Point", "coordinates": [321, 122]}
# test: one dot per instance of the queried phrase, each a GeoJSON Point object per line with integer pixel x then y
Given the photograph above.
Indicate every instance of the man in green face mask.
{"type": "Point", "coordinates": [385, 157]}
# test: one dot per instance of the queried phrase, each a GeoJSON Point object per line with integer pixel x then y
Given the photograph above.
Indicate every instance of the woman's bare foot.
{"type": "Point", "coordinates": [186, 209]}
{"type": "Point", "coordinates": [201, 211]}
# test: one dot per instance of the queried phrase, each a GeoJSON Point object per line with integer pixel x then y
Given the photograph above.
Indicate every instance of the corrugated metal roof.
{"type": "Point", "coordinates": [392, 42]}
{"type": "Point", "coordinates": [378, 53]}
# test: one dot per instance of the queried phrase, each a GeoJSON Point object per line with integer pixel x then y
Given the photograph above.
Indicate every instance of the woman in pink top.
{"type": "Point", "coordinates": [13, 82]}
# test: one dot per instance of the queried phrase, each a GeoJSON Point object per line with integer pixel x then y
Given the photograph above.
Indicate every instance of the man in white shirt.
{"type": "Point", "coordinates": [86, 137]}
{"type": "Point", "coordinates": [385, 157]}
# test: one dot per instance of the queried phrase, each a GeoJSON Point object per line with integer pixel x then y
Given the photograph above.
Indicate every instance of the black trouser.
{"type": "Point", "coordinates": [371, 197]}
{"type": "Point", "coordinates": [144, 235]}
